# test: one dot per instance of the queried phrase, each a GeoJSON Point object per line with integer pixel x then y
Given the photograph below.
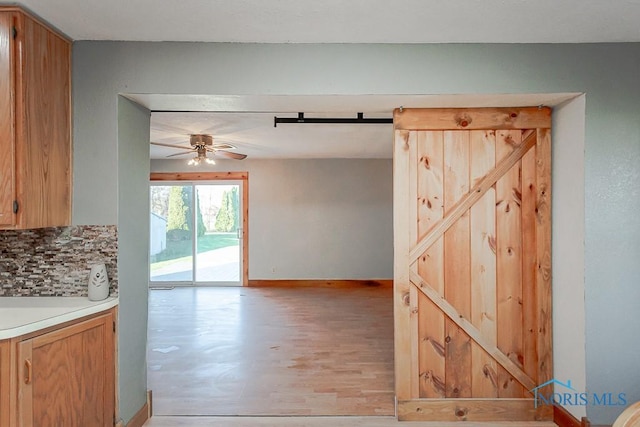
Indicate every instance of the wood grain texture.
{"type": "Point", "coordinates": [529, 265]}
{"type": "Point", "coordinates": [543, 277]}
{"type": "Point", "coordinates": [245, 230]}
{"type": "Point", "coordinates": [402, 245]}
{"type": "Point", "coordinates": [511, 367]}
{"type": "Point", "coordinates": [452, 410]}
{"type": "Point", "coordinates": [563, 418]}
{"type": "Point", "coordinates": [5, 384]}
{"type": "Point", "coordinates": [483, 266]}
{"type": "Point", "coordinates": [271, 351]}
{"type": "Point", "coordinates": [13, 383]}
{"type": "Point", "coordinates": [414, 308]}
{"type": "Point", "coordinates": [431, 322]}
{"type": "Point", "coordinates": [24, 406]}
{"type": "Point", "coordinates": [159, 421]}
{"type": "Point", "coordinates": [630, 417]}
{"type": "Point", "coordinates": [474, 195]}
{"type": "Point", "coordinates": [509, 263]}
{"type": "Point", "coordinates": [457, 257]}
{"type": "Point", "coordinates": [7, 172]}
{"type": "Point", "coordinates": [43, 134]}
{"type": "Point", "coordinates": [488, 229]}
{"type": "Point", "coordinates": [414, 297]}
{"type": "Point", "coordinates": [472, 119]}
{"type": "Point", "coordinates": [221, 176]}
{"type": "Point", "coordinates": [199, 176]}
{"type": "Point", "coordinates": [72, 372]}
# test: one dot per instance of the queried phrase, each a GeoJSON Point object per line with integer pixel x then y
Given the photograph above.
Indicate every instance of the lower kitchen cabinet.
{"type": "Point", "coordinates": [64, 376]}
{"type": "Point", "coordinates": [5, 382]}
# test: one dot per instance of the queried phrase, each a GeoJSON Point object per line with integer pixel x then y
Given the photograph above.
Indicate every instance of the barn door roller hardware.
{"type": "Point", "coordinates": [325, 120]}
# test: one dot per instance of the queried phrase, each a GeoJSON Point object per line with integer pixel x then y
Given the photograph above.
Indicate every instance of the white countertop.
{"type": "Point", "coordinates": [23, 315]}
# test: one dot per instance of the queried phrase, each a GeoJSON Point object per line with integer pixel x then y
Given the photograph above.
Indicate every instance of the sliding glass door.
{"type": "Point", "coordinates": [196, 234]}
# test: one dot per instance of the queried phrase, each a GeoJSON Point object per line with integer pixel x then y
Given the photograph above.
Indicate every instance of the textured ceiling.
{"type": "Point", "coordinates": [345, 21]}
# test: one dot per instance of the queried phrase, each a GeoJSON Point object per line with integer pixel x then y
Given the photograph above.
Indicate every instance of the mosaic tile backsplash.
{"type": "Point", "coordinates": [56, 261]}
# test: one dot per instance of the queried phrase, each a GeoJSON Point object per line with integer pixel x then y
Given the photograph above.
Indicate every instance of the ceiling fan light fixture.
{"type": "Point", "coordinates": [194, 161]}
{"type": "Point", "coordinates": [201, 158]}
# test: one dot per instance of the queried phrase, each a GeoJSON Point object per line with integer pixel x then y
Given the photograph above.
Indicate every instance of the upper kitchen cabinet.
{"type": "Point", "coordinates": [35, 123]}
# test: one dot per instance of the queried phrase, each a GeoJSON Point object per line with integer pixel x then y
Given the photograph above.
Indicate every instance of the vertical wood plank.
{"type": "Point", "coordinates": [543, 277]}
{"type": "Point", "coordinates": [401, 294]}
{"type": "Point", "coordinates": [413, 238]}
{"type": "Point", "coordinates": [431, 263]}
{"type": "Point", "coordinates": [509, 263]}
{"type": "Point", "coordinates": [415, 337]}
{"type": "Point", "coordinates": [529, 264]}
{"type": "Point", "coordinates": [457, 268]}
{"type": "Point", "coordinates": [484, 381]}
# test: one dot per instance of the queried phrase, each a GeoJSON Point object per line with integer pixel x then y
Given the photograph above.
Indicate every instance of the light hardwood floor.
{"type": "Point", "coordinates": [270, 351]}
{"type": "Point", "coordinates": [320, 422]}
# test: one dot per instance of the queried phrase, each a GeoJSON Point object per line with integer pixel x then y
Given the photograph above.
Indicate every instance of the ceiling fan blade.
{"type": "Point", "coordinates": [229, 154]}
{"type": "Point", "coordinates": [181, 154]}
{"type": "Point", "coordinates": [223, 146]}
{"type": "Point", "coordinates": [217, 148]}
{"type": "Point", "coordinates": [181, 147]}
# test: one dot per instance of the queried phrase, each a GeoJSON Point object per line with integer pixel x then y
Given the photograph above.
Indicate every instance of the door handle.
{"type": "Point", "coordinates": [239, 233]}
{"type": "Point", "coordinates": [27, 371]}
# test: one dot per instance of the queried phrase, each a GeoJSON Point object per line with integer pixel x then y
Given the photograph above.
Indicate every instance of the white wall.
{"type": "Point", "coordinates": [607, 73]}
{"type": "Point", "coordinates": [315, 219]}
{"type": "Point", "coordinates": [569, 361]}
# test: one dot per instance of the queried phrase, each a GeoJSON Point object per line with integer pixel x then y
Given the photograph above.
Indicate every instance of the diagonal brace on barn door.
{"type": "Point", "coordinates": [473, 332]}
{"type": "Point", "coordinates": [473, 196]}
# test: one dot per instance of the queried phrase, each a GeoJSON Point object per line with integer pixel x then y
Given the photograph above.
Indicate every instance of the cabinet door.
{"type": "Point", "coordinates": [66, 377]}
{"type": "Point", "coordinates": [7, 172]}
{"type": "Point", "coordinates": [43, 126]}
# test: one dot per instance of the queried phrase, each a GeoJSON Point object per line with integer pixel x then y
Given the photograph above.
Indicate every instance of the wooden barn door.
{"type": "Point", "coordinates": [472, 231]}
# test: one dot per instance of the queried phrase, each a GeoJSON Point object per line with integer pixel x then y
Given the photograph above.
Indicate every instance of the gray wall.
{"type": "Point", "coordinates": [315, 219]}
{"type": "Point", "coordinates": [607, 73]}
{"type": "Point", "coordinates": [133, 253]}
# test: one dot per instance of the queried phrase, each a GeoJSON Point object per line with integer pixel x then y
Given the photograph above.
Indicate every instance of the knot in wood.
{"type": "Point", "coordinates": [406, 299]}
{"type": "Point", "coordinates": [463, 120]}
{"type": "Point", "coordinates": [460, 412]}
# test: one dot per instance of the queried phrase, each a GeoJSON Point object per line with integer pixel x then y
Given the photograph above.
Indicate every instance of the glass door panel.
{"type": "Point", "coordinates": [208, 225]}
{"type": "Point", "coordinates": [171, 233]}
{"type": "Point", "coordinates": [219, 225]}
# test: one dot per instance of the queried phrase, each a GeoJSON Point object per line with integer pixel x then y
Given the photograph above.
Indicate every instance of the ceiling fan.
{"type": "Point", "coordinates": [201, 144]}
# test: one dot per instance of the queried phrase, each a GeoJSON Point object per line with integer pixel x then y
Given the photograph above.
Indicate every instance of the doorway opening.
{"type": "Point", "coordinates": [152, 367]}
